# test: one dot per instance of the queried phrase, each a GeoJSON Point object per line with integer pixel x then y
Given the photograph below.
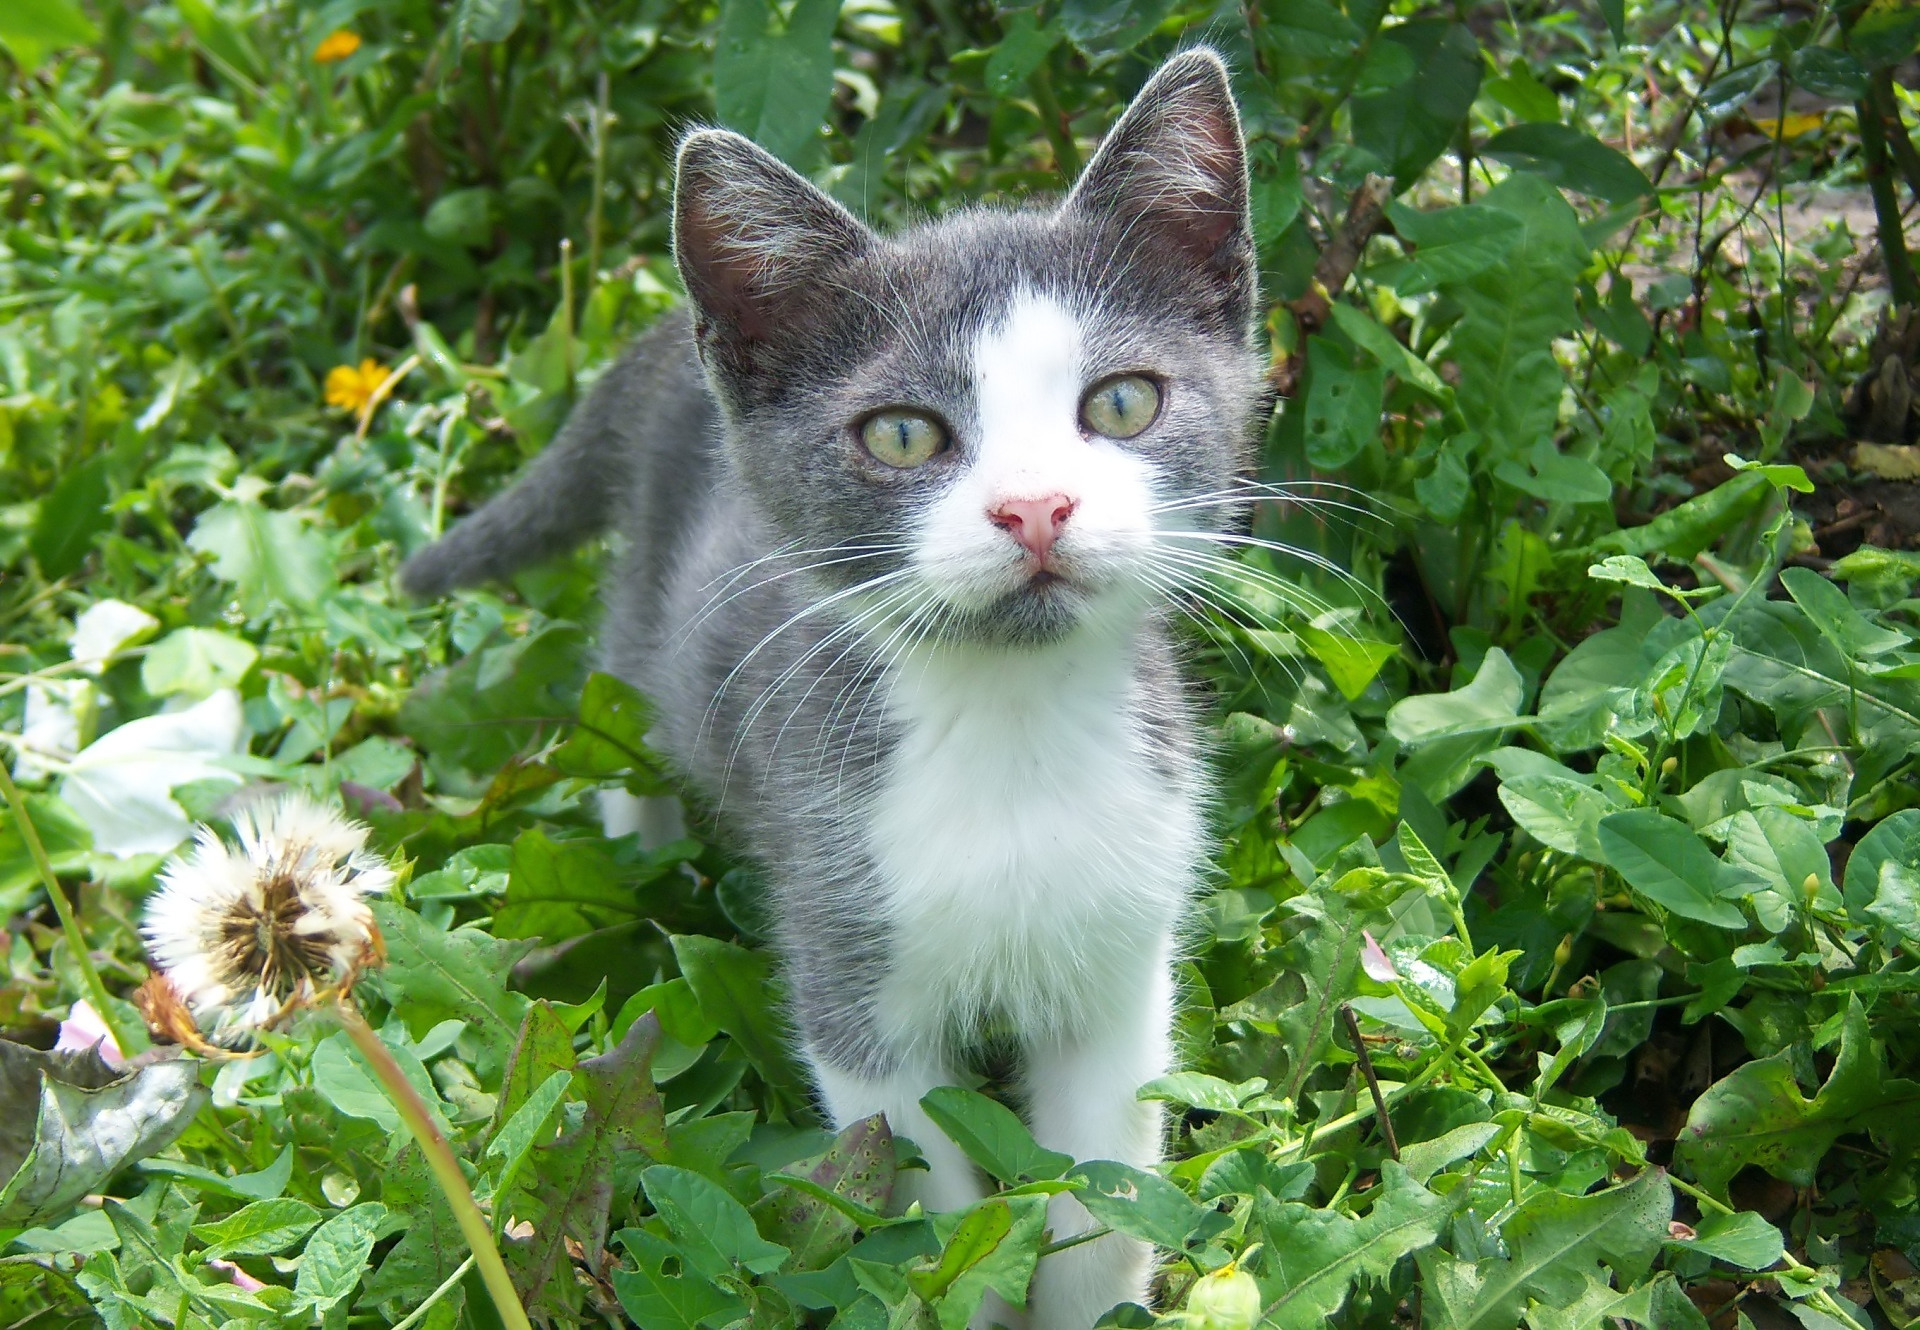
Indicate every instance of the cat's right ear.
{"type": "Point", "coordinates": [752, 237]}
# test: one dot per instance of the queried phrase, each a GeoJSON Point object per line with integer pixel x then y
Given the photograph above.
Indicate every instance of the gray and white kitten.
{"type": "Point", "coordinates": [903, 521]}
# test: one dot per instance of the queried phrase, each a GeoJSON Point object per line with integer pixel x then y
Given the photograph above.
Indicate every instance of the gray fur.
{"type": "Point", "coordinates": [747, 505]}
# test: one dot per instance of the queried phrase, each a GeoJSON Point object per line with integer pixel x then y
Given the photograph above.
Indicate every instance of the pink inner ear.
{"type": "Point", "coordinates": [728, 271]}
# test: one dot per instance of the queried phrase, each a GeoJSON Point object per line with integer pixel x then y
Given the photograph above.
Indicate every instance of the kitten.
{"type": "Point", "coordinates": [903, 522]}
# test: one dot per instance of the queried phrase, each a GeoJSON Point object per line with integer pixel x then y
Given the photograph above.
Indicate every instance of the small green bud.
{"type": "Point", "coordinates": [1563, 953]}
{"type": "Point", "coordinates": [1227, 1299]}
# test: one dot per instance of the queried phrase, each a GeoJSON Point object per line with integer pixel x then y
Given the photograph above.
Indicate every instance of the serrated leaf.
{"type": "Point", "coordinates": [1757, 1115]}
{"type": "Point", "coordinates": [1313, 1256]}
{"type": "Point", "coordinates": [1558, 1245]}
{"type": "Point", "coordinates": [713, 1229]}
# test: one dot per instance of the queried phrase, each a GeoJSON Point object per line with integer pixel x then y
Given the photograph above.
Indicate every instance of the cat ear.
{"type": "Point", "coordinates": [1174, 170]}
{"type": "Point", "coordinates": [750, 235]}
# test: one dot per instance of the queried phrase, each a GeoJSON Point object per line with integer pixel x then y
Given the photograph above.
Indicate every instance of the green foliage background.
{"type": "Point", "coordinates": [1568, 756]}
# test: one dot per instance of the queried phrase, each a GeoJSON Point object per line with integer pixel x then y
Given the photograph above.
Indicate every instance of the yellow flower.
{"type": "Point", "coordinates": [337, 46]}
{"type": "Point", "coordinates": [1789, 126]}
{"type": "Point", "coordinates": [350, 389]}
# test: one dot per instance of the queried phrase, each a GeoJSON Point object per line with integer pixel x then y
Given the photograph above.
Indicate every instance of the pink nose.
{"type": "Point", "coordinates": [1035, 523]}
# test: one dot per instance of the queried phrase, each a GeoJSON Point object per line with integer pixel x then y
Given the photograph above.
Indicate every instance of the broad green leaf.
{"type": "Point", "coordinates": [1199, 1090]}
{"type": "Point", "coordinates": [980, 1231]}
{"type": "Point", "coordinates": [992, 1136]}
{"type": "Point", "coordinates": [1557, 1244]}
{"type": "Point", "coordinates": [75, 511]}
{"type": "Point", "coordinates": [68, 1122]}
{"type": "Point", "coordinates": [1384, 347]}
{"type": "Point", "coordinates": [336, 1255]}
{"type": "Point", "coordinates": [1510, 382]}
{"type": "Point", "coordinates": [260, 1229]}
{"type": "Point", "coordinates": [1742, 1239]}
{"type": "Point", "coordinates": [658, 1294]}
{"type": "Point", "coordinates": [1683, 531]}
{"type": "Point", "coordinates": [1351, 662]}
{"type": "Point", "coordinates": [1829, 73]}
{"type": "Point", "coordinates": [713, 1229]}
{"type": "Point", "coordinates": [1448, 245]}
{"type": "Point", "coordinates": [826, 1199]}
{"type": "Point", "coordinates": [739, 993]}
{"type": "Point", "coordinates": [572, 1177]}
{"type": "Point", "coordinates": [1313, 1256]}
{"type": "Point", "coordinates": [1561, 814]}
{"type": "Point", "coordinates": [1425, 1158]}
{"type": "Point", "coordinates": [1628, 569]}
{"type": "Point", "coordinates": [1757, 1115]}
{"type": "Point", "coordinates": [610, 737]}
{"type": "Point", "coordinates": [1342, 413]}
{"type": "Point", "coordinates": [1850, 631]}
{"type": "Point", "coordinates": [1570, 158]}
{"type": "Point", "coordinates": [343, 1078]}
{"type": "Point", "coordinates": [196, 662]}
{"type": "Point", "coordinates": [1427, 73]}
{"type": "Point", "coordinates": [772, 80]}
{"type": "Point", "coordinates": [486, 20]}
{"type": "Point", "coordinates": [492, 704]}
{"type": "Point", "coordinates": [1145, 1205]}
{"type": "Point", "coordinates": [33, 29]}
{"type": "Point", "coordinates": [1021, 48]}
{"type": "Point", "coordinates": [1106, 27]}
{"type": "Point", "coordinates": [561, 889]}
{"type": "Point", "coordinates": [1489, 704]}
{"type": "Point", "coordinates": [274, 560]}
{"type": "Point", "coordinates": [1006, 1268]}
{"type": "Point", "coordinates": [1663, 860]}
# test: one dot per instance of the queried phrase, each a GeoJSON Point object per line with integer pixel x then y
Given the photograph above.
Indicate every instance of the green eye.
{"type": "Point", "coordinates": [1121, 407]}
{"type": "Point", "coordinates": [903, 439]}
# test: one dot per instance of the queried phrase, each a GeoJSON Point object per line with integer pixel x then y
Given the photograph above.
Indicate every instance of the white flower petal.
{"type": "Point", "coordinates": [59, 714]}
{"type": "Point", "coordinates": [108, 626]}
{"type": "Point", "coordinates": [121, 784]}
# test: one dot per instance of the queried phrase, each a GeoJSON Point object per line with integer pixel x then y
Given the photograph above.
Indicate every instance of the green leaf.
{"type": "Point", "coordinates": [196, 662]}
{"type": "Point", "coordinates": [495, 702]}
{"type": "Point", "coordinates": [1108, 27]}
{"type": "Point", "coordinates": [1572, 159]}
{"type": "Point", "coordinates": [343, 1078]}
{"type": "Point", "coordinates": [663, 1298]}
{"type": "Point", "coordinates": [1384, 347]}
{"type": "Point", "coordinates": [1683, 531]}
{"type": "Point", "coordinates": [1558, 1244]}
{"type": "Point", "coordinates": [1829, 73]}
{"type": "Point", "coordinates": [1489, 704]}
{"type": "Point", "coordinates": [516, 1139]}
{"type": "Point", "coordinates": [460, 974]}
{"type": "Point", "coordinates": [980, 1231]}
{"type": "Point", "coordinates": [68, 1122]}
{"type": "Point", "coordinates": [611, 737]}
{"type": "Point", "coordinates": [1629, 570]}
{"type": "Point", "coordinates": [1142, 1204]}
{"type": "Point", "coordinates": [739, 993]}
{"type": "Point", "coordinates": [273, 560]}
{"type": "Point", "coordinates": [1313, 1256]}
{"type": "Point", "coordinates": [561, 889]}
{"type": "Point", "coordinates": [992, 1136]}
{"type": "Point", "coordinates": [336, 1255]}
{"type": "Point", "coordinates": [1196, 1089]}
{"type": "Point", "coordinates": [573, 1176]}
{"type": "Point", "coordinates": [829, 1197]}
{"type": "Point", "coordinates": [1427, 73]}
{"type": "Point", "coordinates": [1351, 662]}
{"type": "Point", "coordinates": [1742, 1239]}
{"type": "Point", "coordinates": [1757, 1114]}
{"type": "Point", "coordinates": [713, 1229]}
{"type": "Point", "coordinates": [33, 29]}
{"type": "Point", "coordinates": [76, 509]}
{"type": "Point", "coordinates": [1449, 245]}
{"type": "Point", "coordinates": [1663, 860]}
{"type": "Point", "coordinates": [1510, 382]}
{"type": "Point", "coordinates": [1343, 404]}
{"type": "Point", "coordinates": [486, 20]}
{"type": "Point", "coordinates": [1022, 47]}
{"type": "Point", "coordinates": [772, 81]}
{"type": "Point", "coordinates": [1850, 631]}
{"type": "Point", "coordinates": [1006, 1266]}
{"type": "Point", "coordinates": [1561, 813]}
{"type": "Point", "coordinates": [260, 1229]}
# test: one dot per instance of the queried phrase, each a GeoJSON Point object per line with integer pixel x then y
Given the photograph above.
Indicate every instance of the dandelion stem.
{"type": "Point", "coordinates": [439, 1156]}
{"type": "Point", "coordinates": [76, 940]}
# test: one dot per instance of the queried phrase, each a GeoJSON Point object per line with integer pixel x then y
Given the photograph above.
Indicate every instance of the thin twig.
{"type": "Point", "coordinates": [1373, 1081]}
{"type": "Point", "coordinates": [1337, 262]}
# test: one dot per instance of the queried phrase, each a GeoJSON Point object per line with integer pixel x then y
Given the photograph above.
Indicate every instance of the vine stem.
{"type": "Point", "coordinates": [1821, 1298]}
{"type": "Point", "coordinates": [439, 1155]}
{"type": "Point", "coordinates": [76, 940]}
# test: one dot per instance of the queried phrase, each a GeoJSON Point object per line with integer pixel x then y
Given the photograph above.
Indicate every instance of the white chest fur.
{"type": "Point", "coordinates": [1030, 856]}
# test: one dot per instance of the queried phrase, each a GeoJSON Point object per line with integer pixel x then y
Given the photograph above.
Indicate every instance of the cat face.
{"type": "Point", "coordinates": [994, 427]}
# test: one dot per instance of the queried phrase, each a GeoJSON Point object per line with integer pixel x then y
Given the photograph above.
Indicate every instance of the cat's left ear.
{"type": "Point", "coordinates": [1173, 173]}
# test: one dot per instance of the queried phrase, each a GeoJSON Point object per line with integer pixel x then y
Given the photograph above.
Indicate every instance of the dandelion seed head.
{"type": "Point", "coordinates": [240, 931]}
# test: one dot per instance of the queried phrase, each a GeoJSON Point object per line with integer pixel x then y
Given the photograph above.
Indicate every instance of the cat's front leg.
{"type": "Point", "coordinates": [1081, 1101]}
